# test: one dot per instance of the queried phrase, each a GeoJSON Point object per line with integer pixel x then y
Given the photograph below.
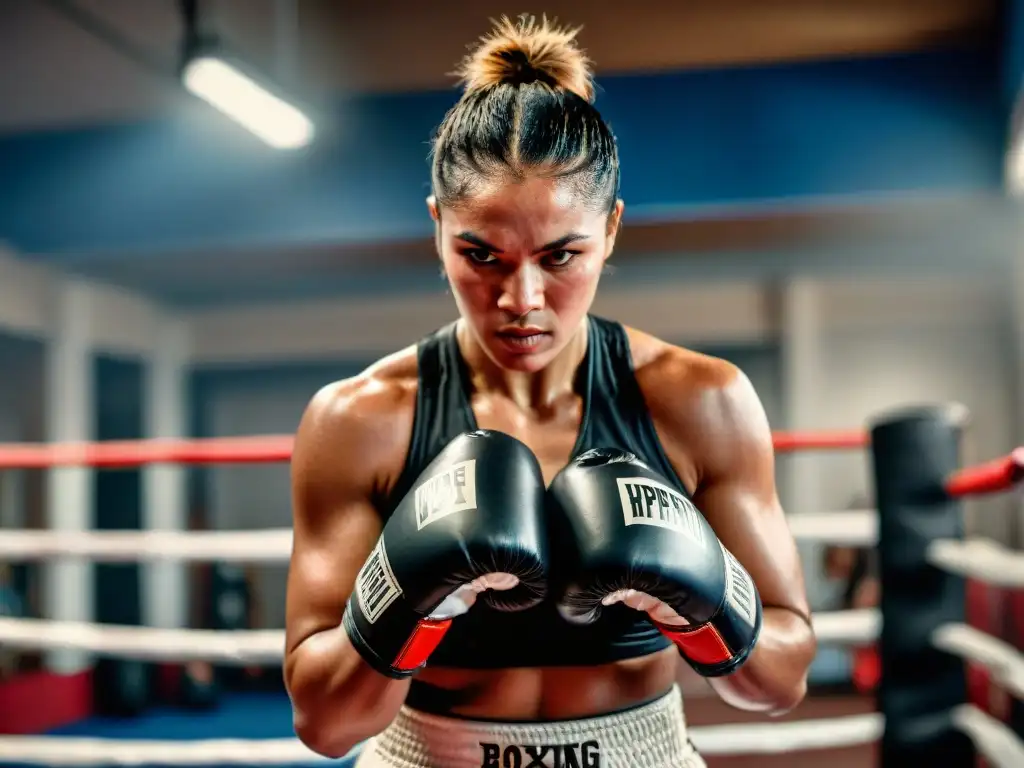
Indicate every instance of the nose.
{"type": "Point", "coordinates": [522, 291]}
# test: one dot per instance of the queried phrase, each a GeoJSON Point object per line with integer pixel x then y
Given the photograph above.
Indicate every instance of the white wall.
{"type": "Point", "coordinates": [24, 296]}
{"type": "Point", "coordinates": [892, 343]}
{"type": "Point", "coordinates": [122, 322]}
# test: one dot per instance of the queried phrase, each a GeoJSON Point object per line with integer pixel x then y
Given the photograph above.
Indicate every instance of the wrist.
{"type": "Point", "coordinates": [774, 678]}
{"type": "Point", "coordinates": [401, 641]}
{"type": "Point", "coordinates": [745, 690]}
{"type": "Point", "coordinates": [711, 649]}
{"type": "Point", "coordinates": [366, 651]}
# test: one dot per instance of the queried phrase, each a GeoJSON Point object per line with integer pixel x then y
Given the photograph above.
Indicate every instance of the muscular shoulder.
{"type": "Point", "coordinates": [670, 375]}
{"type": "Point", "coordinates": [362, 424]}
{"type": "Point", "coordinates": [705, 409]}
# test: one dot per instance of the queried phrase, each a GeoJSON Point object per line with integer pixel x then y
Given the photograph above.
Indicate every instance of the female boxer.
{"type": "Point", "coordinates": [551, 462]}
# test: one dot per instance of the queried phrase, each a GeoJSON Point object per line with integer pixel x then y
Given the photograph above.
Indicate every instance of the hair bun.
{"type": "Point", "coordinates": [529, 51]}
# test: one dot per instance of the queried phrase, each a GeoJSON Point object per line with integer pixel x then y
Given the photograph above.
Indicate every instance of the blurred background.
{"type": "Point", "coordinates": [821, 191]}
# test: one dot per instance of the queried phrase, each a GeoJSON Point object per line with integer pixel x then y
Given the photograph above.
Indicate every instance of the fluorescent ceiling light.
{"type": "Point", "coordinates": [246, 102]}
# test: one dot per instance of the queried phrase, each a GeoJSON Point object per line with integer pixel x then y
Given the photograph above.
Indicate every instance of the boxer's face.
{"type": "Point", "coordinates": [523, 260]}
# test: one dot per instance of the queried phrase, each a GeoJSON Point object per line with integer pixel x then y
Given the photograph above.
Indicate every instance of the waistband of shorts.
{"type": "Point", "coordinates": [651, 735]}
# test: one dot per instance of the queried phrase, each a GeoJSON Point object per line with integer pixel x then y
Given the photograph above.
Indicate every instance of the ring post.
{"type": "Point", "coordinates": [913, 451]}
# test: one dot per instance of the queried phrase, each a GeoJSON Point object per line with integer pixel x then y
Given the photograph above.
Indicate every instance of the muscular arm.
{"type": "Point", "coordinates": [721, 436]}
{"type": "Point", "coordinates": [346, 437]}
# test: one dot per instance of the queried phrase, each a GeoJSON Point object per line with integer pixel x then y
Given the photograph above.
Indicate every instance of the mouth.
{"type": "Point", "coordinates": [523, 339]}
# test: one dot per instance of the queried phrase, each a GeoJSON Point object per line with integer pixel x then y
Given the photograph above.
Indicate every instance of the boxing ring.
{"type": "Point", "coordinates": [927, 567]}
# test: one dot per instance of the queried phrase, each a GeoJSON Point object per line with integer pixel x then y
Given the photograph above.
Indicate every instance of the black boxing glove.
{"type": "Point", "coordinates": [629, 537]}
{"type": "Point", "coordinates": [471, 526]}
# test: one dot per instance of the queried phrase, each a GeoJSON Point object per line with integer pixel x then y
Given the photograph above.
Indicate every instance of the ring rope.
{"type": "Point", "coordinates": [1003, 662]}
{"type": "Point", "coordinates": [992, 476]}
{"type": "Point", "coordinates": [861, 626]}
{"type": "Point", "coordinates": [852, 528]}
{"type": "Point", "coordinates": [994, 740]}
{"type": "Point", "coordinates": [733, 739]}
{"type": "Point", "coordinates": [274, 448]}
{"type": "Point", "coordinates": [823, 440]}
{"type": "Point", "coordinates": [795, 736]}
{"type": "Point", "coordinates": [979, 558]}
{"type": "Point", "coordinates": [260, 646]}
{"type": "Point", "coordinates": [257, 449]}
{"type": "Point", "coordinates": [61, 751]}
{"type": "Point", "coordinates": [246, 646]}
{"type": "Point", "coordinates": [273, 545]}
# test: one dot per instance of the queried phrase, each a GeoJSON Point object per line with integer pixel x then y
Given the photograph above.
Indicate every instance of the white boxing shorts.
{"type": "Point", "coordinates": [649, 736]}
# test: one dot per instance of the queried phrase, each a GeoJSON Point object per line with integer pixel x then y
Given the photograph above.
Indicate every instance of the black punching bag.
{"type": "Point", "coordinates": [914, 451]}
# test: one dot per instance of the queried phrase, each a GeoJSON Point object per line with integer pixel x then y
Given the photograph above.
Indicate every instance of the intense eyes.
{"type": "Point", "coordinates": [478, 255]}
{"type": "Point", "coordinates": [554, 259]}
{"type": "Point", "coordinates": [560, 258]}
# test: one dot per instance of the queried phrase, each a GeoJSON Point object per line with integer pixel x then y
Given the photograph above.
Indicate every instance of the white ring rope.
{"type": "Point", "coordinates": [795, 736]}
{"type": "Point", "coordinates": [981, 559]}
{"type": "Point", "coordinates": [1004, 663]}
{"type": "Point", "coordinates": [269, 545]}
{"type": "Point", "coordinates": [60, 751]}
{"type": "Point", "coordinates": [734, 739]}
{"type": "Point", "coordinates": [267, 645]}
{"type": "Point", "coordinates": [993, 739]}
{"type": "Point", "coordinates": [858, 627]}
{"type": "Point", "coordinates": [853, 528]}
{"type": "Point", "coordinates": [144, 643]}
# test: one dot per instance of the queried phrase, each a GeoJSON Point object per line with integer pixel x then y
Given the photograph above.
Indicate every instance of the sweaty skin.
{"type": "Point", "coordinates": [523, 261]}
{"type": "Point", "coordinates": [714, 432]}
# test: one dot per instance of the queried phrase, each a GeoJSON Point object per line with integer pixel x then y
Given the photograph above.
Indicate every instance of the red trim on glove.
{"type": "Point", "coordinates": [701, 645]}
{"type": "Point", "coordinates": [421, 643]}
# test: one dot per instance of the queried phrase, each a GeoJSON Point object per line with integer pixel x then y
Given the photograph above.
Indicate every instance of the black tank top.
{"type": "Point", "coordinates": [614, 416]}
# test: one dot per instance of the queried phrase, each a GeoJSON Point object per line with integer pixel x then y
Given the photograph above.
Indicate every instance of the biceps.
{"type": "Point", "coordinates": [753, 527]}
{"type": "Point", "coordinates": [325, 560]}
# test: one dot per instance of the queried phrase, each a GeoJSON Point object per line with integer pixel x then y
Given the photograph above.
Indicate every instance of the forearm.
{"type": "Point", "coordinates": [337, 699]}
{"type": "Point", "coordinates": [774, 678]}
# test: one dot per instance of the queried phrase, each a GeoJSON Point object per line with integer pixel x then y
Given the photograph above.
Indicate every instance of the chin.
{"type": "Point", "coordinates": [524, 363]}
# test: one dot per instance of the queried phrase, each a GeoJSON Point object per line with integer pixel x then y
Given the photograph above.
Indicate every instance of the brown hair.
{"type": "Point", "coordinates": [527, 107]}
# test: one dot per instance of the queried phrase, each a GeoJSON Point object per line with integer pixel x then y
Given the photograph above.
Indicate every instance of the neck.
{"type": "Point", "coordinates": [530, 391]}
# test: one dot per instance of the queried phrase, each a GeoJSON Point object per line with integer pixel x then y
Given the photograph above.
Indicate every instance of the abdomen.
{"type": "Point", "coordinates": [544, 693]}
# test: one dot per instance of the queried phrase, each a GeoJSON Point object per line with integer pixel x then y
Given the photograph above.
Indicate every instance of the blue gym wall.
{"type": "Point", "coordinates": [692, 144]}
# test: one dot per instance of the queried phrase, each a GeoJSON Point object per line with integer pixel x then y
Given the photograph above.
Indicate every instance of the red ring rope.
{"type": "Point", "coordinates": [995, 476]}
{"type": "Point", "coordinates": [991, 477]}
{"type": "Point", "coordinates": [839, 439]}
{"type": "Point", "coordinates": [134, 453]}
{"type": "Point", "coordinates": [267, 449]}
